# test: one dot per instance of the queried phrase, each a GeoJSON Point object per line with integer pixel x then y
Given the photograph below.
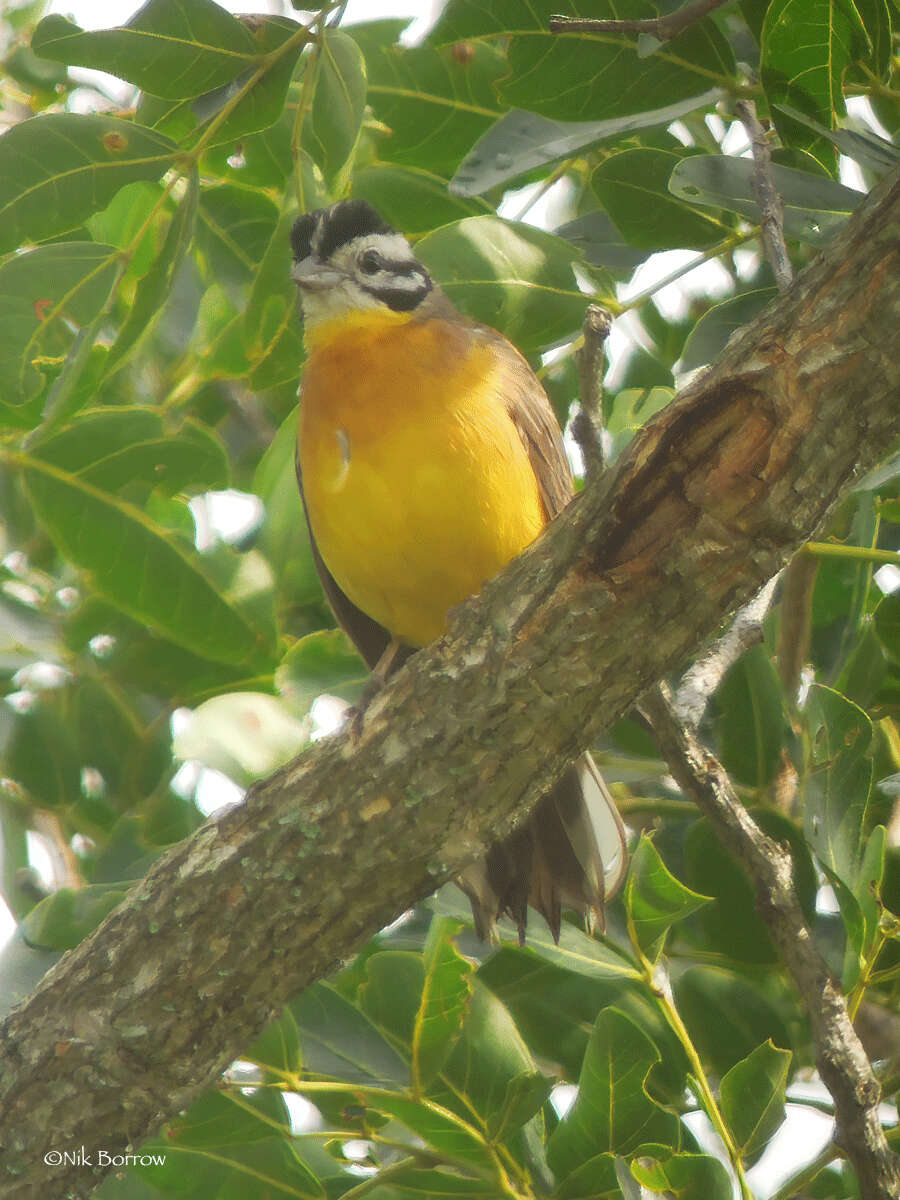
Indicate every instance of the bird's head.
{"type": "Point", "coordinates": [348, 260]}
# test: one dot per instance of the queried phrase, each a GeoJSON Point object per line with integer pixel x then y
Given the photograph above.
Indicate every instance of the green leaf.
{"type": "Point", "coordinates": [278, 1045]}
{"type": "Point", "coordinates": [434, 1183]}
{"type": "Point", "coordinates": [117, 448]}
{"type": "Point", "coordinates": [600, 243]}
{"type": "Point", "coordinates": [283, 536]}
{"type": "Point", "coordinates": [807, 45]}
{"type": "Point", "coordinates": [751, 1096]}
{"type": "Point", "coordinates": [324, 661]}
{"type": "Point", "coordinates": [339, 102]}
{"type": "Point", "coordinates": [444, 1135]}
{"type": "Point", "coordinates": [876, 18]}
{"type": "Point", "coordinates": [67, 917]}
{"type": "Point", "coordinates": [522, 141]}
{"type": "Point", "coordinates": [171, 48]}
{"type": "Point", "coordinates": [46, 296]}
{"type": "Point", "coordinates": [446, 994]}
{"type": "Point", "coordinates": [732, 925]}
{"type": "Point", "coordinates": [137, 565]}
{"type": "Point", "coordinates": [56, 170]}
{"type": "Point", "coordinates": [849, 929]}
{"type": "Point", "coordinates": [414, 201]}
{"type": "Point", "coordinates": [684, 1177]}
{"type": "Point", "coordinates": [868, 149]}
{"type": "Point", "coordinates": [510, 276]}
{"type": "Point", "coordinates": [265, 159]}
{"type": "Point", "coordinates": [839, 782]}
{"type": "Point", "coordinates": [633, 188]}
{"type": "Point", "coordinates": [262, 104]}
{"type": "Point", "coordinates": [525, 1096]}
{"type": "Point", "coordinates": [654, 898]}
{"type": "Point", "coordinates": [630, 410]}
{"type": "Point", "coordinates": [433, 103]}
{"type": "Point", "coordinates": [814, 207]}
{"type": "Point", "coordinates": [234, 227]}
{"type": "Point", "coordinates": [269, 327]}
{"type": "Point", "coordinates": [612, 1111]}
{"type": "Point", "coordinates": [708, 337]}
{"type": "Point", "coordinates": [392, 992]}
{"type": "Point", "coordinates": [750, 723]}
{"type": "Point", "coordinates": [728, 1016]}
{"type": "Point", "coordinates": [339, 1041]}
{"type": "Point", "coordinates": [153, 289]}
{"type": "Point", "coordinates": [41, 756]}
{"type": "Point", "coordinates": [870, 881]}
{"type": "Point", "coordinates": [887, 624]}
{"type": "Point", "coordinates": [571, 77]}
{"type": "Point", "coordinates": [595, 1179]}
{"type": "Point", "coordinates": [110, 431]}
{"type": "Point", "coordinates": [490, 1069]}
{"type": "Point", "coordinates": [129, 214]}
{"type": "Point", "coordinates": [554, 1010]}
{"type": "Point", "coordinates": [111, 739]}
{"type": "Point", "coordinates": [224, 1146]}
{"type": "Point", "coordinates": [575, 951]}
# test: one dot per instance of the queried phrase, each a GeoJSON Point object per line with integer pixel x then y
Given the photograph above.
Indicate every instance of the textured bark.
{"type": "Point", "coordinates": [713, 498]}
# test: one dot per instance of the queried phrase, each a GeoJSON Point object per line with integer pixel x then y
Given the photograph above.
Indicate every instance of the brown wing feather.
{"type": "Point", "coordinates": [534, 418]}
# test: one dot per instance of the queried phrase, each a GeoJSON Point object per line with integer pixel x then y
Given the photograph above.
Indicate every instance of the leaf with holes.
{"type": "Point", "coordinates": [56, 170]}
{"type": "Point", "coordinates": [46, 296]}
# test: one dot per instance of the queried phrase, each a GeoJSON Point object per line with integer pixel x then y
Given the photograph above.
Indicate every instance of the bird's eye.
{"type": "Point", "coordinates": [370, 261]}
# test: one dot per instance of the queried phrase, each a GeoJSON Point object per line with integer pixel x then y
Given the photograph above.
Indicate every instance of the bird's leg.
{"type": "Point", "coordinates": [379, 676]}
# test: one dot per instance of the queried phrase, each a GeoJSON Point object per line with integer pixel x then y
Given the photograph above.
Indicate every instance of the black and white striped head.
{"type": "Point", "coordinates": [347, 259]}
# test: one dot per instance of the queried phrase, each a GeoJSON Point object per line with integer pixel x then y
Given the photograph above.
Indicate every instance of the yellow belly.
{"type": "Point", "coordinates": [418, 485]}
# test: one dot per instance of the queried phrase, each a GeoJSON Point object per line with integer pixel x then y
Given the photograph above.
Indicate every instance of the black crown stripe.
{"type": "Point", "coordinates": [345, 221]}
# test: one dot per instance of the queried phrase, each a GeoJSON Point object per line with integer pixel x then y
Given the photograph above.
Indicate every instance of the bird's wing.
{"type": "Point", "coordinates": [369, 638]}
{"type": "Point", "coordinates": [533, 417]}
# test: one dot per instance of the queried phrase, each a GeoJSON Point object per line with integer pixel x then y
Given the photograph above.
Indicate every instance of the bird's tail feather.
{"type": "Point", "coordinates": [570, 853]}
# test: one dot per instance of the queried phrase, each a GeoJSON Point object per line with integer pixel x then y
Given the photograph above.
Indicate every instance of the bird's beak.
{"type": "Point", "coordinates": [311, 275]}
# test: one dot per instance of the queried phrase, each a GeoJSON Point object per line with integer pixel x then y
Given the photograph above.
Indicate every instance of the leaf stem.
{"type": "Point", "coordinates": [723, 247]}
{"type": "Point", "coordinates": [805, 1176]}
{"type": "Point", "coordinates": [303, 1086]}
{"type": "Point", "coordinates": [857, 553]}
{"type": "Point", "coordinates": [699, 1081]}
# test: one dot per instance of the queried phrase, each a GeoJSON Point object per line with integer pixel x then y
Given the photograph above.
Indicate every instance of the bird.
{"type": "Point", "coordinates": [428, 456]}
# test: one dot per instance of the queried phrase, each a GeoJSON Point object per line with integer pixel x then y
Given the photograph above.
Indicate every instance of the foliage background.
{"type": "Point", "coordinates": [150, 353]}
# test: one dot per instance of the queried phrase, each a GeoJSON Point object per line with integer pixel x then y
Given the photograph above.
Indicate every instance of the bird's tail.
{"type": "Point", "coordinates": [570, 853]}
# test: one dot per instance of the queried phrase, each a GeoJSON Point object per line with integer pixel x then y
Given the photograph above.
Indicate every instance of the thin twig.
{"type": "Point", "coordinates": [840, 1057]}
{"type": "Point", "coordinates": [795, 623]}
{"type": "Point", "coordinates": [590, 359]}
{"type": "Point", "coordinates": [701, 680]}
{"type": "Point", "coordinates": [766, 195]}
{"type": "Point", "coordinates": [662, 28]}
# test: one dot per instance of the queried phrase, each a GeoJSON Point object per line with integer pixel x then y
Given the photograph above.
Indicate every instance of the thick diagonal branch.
{"type": "Point", "coordinates": [711, 499]}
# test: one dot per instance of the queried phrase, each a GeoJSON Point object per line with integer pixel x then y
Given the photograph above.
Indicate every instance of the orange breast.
{"type": "Point", "coordinates": [418, 485]}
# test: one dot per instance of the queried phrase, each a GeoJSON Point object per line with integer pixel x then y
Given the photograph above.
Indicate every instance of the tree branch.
{"type": "Point", "coordinates": [662, 28]}
{"type": "Point", "coordinates": [840, 1056]}
{"type": "Point", "coordinates": [766, 194]}
{"type": "Point", "coordinates": [707, 504]}
{"type": "Point", "coordinates": [587, 425]}
{"type": "Point", "coordinates": [700, 681]}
